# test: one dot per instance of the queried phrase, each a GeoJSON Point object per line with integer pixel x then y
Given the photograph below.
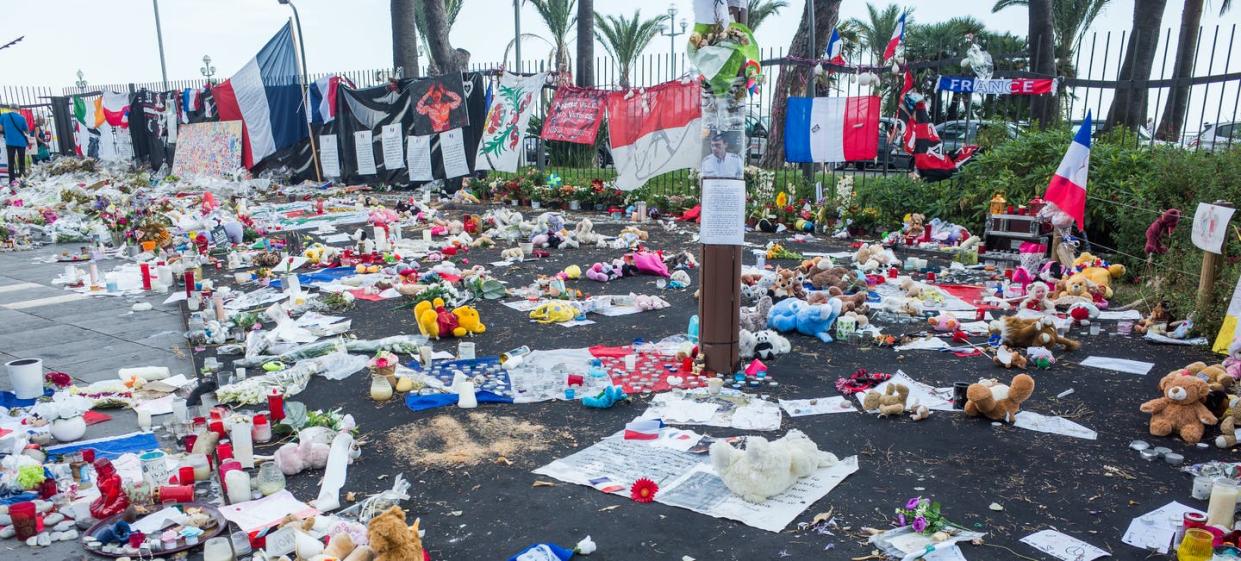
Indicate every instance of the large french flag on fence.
{"type": "Point", "coordinates": [1067, 189]}
{"type": "Point", "coordinates": [266, 97]}
{"type": "Point", "coordinates": [831, 129]}
{"type": "Point", "coordinates": [898, 35]}
{"type": "Point", "coordinates": [654, 130]}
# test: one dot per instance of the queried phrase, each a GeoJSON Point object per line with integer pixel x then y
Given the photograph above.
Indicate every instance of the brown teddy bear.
{"type": "Point", "coordinates": [391, 539]}
{"type": "Point", "coordinates": [890, 402]}
{"type": "Point", "coordinates": [1031, 332]}
{"type": "Point", "coordinates": [1181, 409]}
{"type": "Point", "coordinates": [1231, 420]}
{"type": "Point", "coordinates": [996, 401]}
{"type": "Point", "coordinates": [1009, 357]}
{"type": "Point", "coordinates": [1215, 376]}
{"type": "Point", "coordinates": [1161, 313]}
{"type": "Point", "coordinates": [788, 284]}
{"type": "Point", "coordinates": [852, 302]}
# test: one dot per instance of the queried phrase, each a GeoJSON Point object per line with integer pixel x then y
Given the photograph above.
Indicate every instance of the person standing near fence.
{"type": "Point", "coordinates": [15, 130]}
{"type": "Point", "coordinates": [42, 137]}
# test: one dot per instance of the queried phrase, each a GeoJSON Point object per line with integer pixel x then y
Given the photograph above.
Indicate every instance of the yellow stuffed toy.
{"type": "Point", "coordinates": [468, 318]}
{"type": "Point", "coordinates": [424, 314]}
{"type": "Point", "coordinates": [1092, 268]}
{"type": "Point", "coordinates": [554, 312]}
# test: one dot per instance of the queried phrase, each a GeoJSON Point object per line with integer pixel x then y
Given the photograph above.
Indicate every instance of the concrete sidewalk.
{"type": "Point", "coordinates": [88, 337]}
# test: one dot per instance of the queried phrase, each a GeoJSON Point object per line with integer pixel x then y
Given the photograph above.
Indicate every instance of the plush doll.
{"type": "Point", "coordinates": [766, 469]}
{"type": "Point", "coordinates": [1009, 357]}
{"type": "Point", "coordinates": [1098, 271]}
{"type": "Point", "coordinates": [996, 401]}
{"type": "Point", "coordinates": [1181, 408]}
{"type": "Point", "coordinates": [512, 254]}
{"type": "Point", "coordinates": [870, 257]}
{"type": "Point", "coordinates": [1159, 314]}
{"type": "Point", "coordinates": [914, 226]}
{"type": "Point", "coordinates": [852, 302]}
{"type": "Point", "coordinates": [783, 315]}
{"type": "Point", "coordinates": [1037, 298]}
{"type": "Point", "coordinates": [391, 540]}
{"type": "Point", "coordinates": [944, 322]}
{"type": "Point", "coordinates": [755, 319]}
{"type": "Point", "coordinates": [1229, 423]}
{"type": "Point", "coordinates": [424, 314]}
{"type": "Point", "coordinates": [636, 232]}
{"type": "Point", "coordinates": [768, 345]}
{"type": "Point", "coordinates": [789, 283]}
{"type": "Point", "coordinates": [1023, 278]}
{"type": "Point", "coordinates": [605, 399]}
{"type": "Point", "coordinates": [585, 232]}
{"type": "Point", "coordinates": [469, 320]}
{"type": "Point", "coordinates": [567, 241]}
{"type": "Point", "coordinates": [911, 288]}
{"type": "Point", "coordinates": [746, 343]}
{"type": "Point", "coordinates": [293, 458]}
{"type": "Point", "coordinates": [889, 403]}
{"type": "Point", "coordinates": [1076, 288]}
{"type": "Point", "coordinates": [1083, 312]}
{"type": "Point", "coordinates": [1232, 364]}
{"type": "Point", "coordinates": [1031, 332]}
{"type": "Point", "coordinates": [1215, 376]}
{"type": "Point", "coordinates": [817, 320]}
{"type": "Point", "coordinates": [602, 272]}
{"type": "Point", "coordinates": [644, 302]}
{"type": "Point", "coordinates": [1162, 226]}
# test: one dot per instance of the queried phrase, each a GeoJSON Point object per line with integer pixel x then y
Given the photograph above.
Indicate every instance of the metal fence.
{"type": "Point", "coordinates": [1090, 82]}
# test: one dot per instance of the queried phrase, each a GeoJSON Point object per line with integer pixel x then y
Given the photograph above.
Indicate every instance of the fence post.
{"type": "Point", "coordinates": [1210, 266]}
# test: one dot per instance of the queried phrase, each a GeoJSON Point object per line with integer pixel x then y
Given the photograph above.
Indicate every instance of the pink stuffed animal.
{"type": "Point", "coordinates": [944, 322]}
{"type": "Point", "coordinates": [644, 302]}
{"type": "Point", "coordinates": [293, 458]}
{"type": "Point", "coordinates": [602, 272]}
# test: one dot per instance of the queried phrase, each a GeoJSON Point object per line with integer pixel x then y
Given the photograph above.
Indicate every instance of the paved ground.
{"type": "Point", "coordinates": [87, 337]}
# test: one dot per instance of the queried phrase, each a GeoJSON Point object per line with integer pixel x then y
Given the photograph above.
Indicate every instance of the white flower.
{"type": "Point", "coordinates": [585, 547]}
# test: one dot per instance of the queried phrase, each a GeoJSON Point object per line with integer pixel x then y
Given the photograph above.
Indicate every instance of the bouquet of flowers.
{"type": "Point", "coordinates": [384, 364]}
{"type": "Point", "coordinates": [923, 515]}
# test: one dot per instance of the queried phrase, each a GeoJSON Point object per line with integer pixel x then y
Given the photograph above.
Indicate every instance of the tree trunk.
{"type": "Point", "coordinates": [1043, 108]}
{"type": "Point", "coordinates": [1178, 97]}
{"type": "Point", "coordinates": [437, 37]}
{"type": "Point", "coordinates": [586, 43]}
{"type": "Point", "coordinates": [792, 80]}
{"type": "Point", "coordinates": [1129, 104]}
{"type": "Point", "coordinates": [404, 37]}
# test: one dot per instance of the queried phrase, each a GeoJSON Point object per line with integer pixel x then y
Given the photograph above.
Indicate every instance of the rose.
{"type": "Point", "coordinates": [913, 503]}
{"type": "Point", "coordinates": [585, 547]}
{"type": "Point", "coordinates": [919, 524]}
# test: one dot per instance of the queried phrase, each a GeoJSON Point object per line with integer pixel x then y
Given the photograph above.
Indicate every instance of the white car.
{"type": "Point", "coordinates": [1218, 137]}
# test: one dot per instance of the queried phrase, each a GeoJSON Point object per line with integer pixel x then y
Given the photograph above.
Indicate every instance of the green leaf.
{"type": "Point", "coordinates": [295, 415]}
{"type": "Point", "coordinates": [493, 289]}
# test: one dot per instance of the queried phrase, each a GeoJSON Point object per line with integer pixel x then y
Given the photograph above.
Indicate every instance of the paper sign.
{"type": "Point", "coordinates": [1030, 420]}
{"type": "Point", "coordinates": [219, 237]}
{"type": "Point", "coordinates": [1119, 364]}
{"type": "Point", "coordinates": [329, 156]}
{"type": "Point", "coordinates": [1062, 546]}
{"type": "Point", "coordinates": [1155, 529]}
{"type": "Point", "coordinates": [391, 140]}
{"type": "Point", "coordinates": [1211, 226]}
{"type": "Point", "coordinates": [364, 152]}
{"type": "Point", "coordinates": [723, 212]}
{"type": "Point", "coordinates": [418, 151]}
{"type": "Point", "coordinates": [281, 542]}
{"type": "Point", "coordinates": [820, 406]}
{"type": "Point", "coordinates": [452, 148]}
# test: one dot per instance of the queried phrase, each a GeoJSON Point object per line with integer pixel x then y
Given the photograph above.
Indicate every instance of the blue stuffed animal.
{"type": "Point", "coordinates": [606, 399]}
{"type": "Point", "coordinates": [783, 316]}
{"type": "Point", "coordinates": [816, 319]}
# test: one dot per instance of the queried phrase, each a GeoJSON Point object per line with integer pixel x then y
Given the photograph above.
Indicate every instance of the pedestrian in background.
{"type": "Point", "coordinates": [15, 131]}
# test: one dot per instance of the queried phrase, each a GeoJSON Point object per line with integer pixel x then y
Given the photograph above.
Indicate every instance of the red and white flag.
{"type": "Point", "coordinates": [654, 130]}
{"type": "Point", "coordinates": [1067, 189]}
{"type": "Point", "coordinates": [898, 36]}
{"type": "Point", "coordinates": [643, 430]}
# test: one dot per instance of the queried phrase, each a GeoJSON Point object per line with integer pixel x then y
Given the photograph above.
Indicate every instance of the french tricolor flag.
{"type": "Point", "coordinates": [647, 429]}
{"type": "Point", "coordinates": [322, 93]}
{"type": "Point", "coordinates": [265, 95]}
{"type": "Point", "coordinates": [898, 36]}
{"type": "Point", "coordinates": [1067, 189]}
{"type": "Point", "coordinates": [831, 129]}
{"type": "Point", "coordinates": [835, 51]}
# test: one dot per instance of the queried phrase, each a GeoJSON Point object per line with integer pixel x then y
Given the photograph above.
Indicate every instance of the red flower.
{"type": "Point", "coordinates": [643, 490]}
{"type": "Point", "coordinates": [58, 379]}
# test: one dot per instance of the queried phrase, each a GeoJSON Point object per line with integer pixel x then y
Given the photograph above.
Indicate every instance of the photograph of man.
{"type": "Point", "coordinates": [721, 163]}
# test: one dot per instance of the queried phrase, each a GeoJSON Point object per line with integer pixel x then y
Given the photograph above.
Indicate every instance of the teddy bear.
{"type": "Point", "coordinates": [585, 232]}
{"type": "Point", "coordinates": [766, 469]}
{"type": "Point", "coordinates": [859, 320]}
{"type": "Point", "coordinates": [816, 320]}
{"type": "Point", "coordinates": [1230, 421]}
{"type": "Point", "coordinates": [1181, 408]}
{"type": "Point", "coordinates": [435, 321]}
{"type": "Point", "coordinates": [645, 302]}
{"type": "Point", "coordinates": [1074, 288]}
{"type": "Point", "coordinates": [852, 302]}
{"type": "Point", "coordinates": [788, 284]}
{"type": "Point", "coordinates": [916, 225]}
{"type": "Point", "coordinates": [1030, 332]}
{"type": "Point", "coordinates": [1037, 298]}
{"type": "Point", "coordinates": [838, 277]}
{"type": "Point", "coordinates": [292, 458]}
{"type": "Point", "coordinates": [890, 402]}
{"type": "Point", "coordinates": [391, 540]}
{"type": "Point", "coordinates": [783, 315]}
{"type": "Point", "coordinates": [755, 319]}
{"type": "Point", "coordinates": [1162, 226]}
{"type": "Point", "coordinates": [1159, 314]}
{"type": "Point", "coordinates": [1009, 357]}
{"type": "Point", "coordinates": [469, 320]}
{"type": "Point", "coordinates": [512, 254]}
{"type": "Point", "coordinates": [1219, 383]}
{"type": "Point", "coordinates": [996, 401]}
{"type": "Point", "coordinates": [768, 344]}
{"type": "Point", "coordinates": [636, 232]}
{"type": "Point", "coordinates": [911, 288]}
{"type": "Point", "coordinates": [870, 257]}
{"type": "Point", "coordinates": [1099, 272]}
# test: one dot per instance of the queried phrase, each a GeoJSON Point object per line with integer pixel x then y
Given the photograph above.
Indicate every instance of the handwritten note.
{"type": "Point", "coordinates": [1211, 226]}
{"type": "Point", "coordinates": [723, 212]}
{"type": "Point", "coordinates": [391, 139]}
{"type": "Point", "coordinates": [1154, 530]}
{"type": "Point", "coordinates": [364, 152]}
{"type": "Point", "coordinates": [329, 155]}
{"type": "Point", "coordinates": [418, 150]}
{"type": "Point", "coordinates": [452, 149]}
{"type": "Point", "coordinates": [1063, 546]}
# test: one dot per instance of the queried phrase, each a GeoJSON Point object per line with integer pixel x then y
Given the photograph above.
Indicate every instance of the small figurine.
{"type": "Point", "coordinates": [112, 499]}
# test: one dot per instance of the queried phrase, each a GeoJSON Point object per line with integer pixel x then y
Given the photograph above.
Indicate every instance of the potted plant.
{"type": "Point", "coordinates": [383, 364]}
{"type": "Point", "coordinates": [65, 413]}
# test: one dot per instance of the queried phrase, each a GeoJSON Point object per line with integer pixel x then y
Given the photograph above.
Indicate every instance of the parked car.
{"type": "Point", "coordinates": [1144, 135]}
{"type": "Point", "coordinates": [891, 153]}
{"type": "Point", "coordinates": [956, 134]}
{"type": "Point", "coordinates": [1218, 136]}
{"type": "Point", "coordinates": [531, 146]}
{"type": "Point", "coordinates": [756, 131]}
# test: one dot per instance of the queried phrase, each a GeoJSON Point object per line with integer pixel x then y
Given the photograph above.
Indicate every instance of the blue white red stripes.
{"type": "Point", "coordinates": [898, 37]}
{"type": "Point", "coordinates": [1067, 189]}
{"type": "Point", "coordinates": [835, 51]}
{"type": "Point", "coordinates": [266, 97]}
{"type": "Point", "coordinates": [832, 129]}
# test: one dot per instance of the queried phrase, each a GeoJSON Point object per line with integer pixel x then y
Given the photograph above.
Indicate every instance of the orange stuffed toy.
{"type": "Point", "coordinates": [996, 401]}
{"type": "Point", "coordinates": [1182, 409]}
{"type": "Point", "coordinates": [1030, 332]}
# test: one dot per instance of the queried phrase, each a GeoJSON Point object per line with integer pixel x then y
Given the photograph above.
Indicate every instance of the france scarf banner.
{"type": "Point", "coordinates": [997, 86]}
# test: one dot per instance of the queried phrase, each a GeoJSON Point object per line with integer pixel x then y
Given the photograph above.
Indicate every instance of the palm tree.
{"type": "Point", "coordinates": [877, 28]}
{"type": "Point", "coordinates": [450, 9]}
{"type": "Point", "coordinates": [1072, 18]}
{"type": "Point", "coordinates": [437, 17]}
{"type": "Point", "coordinates": [1043, 108]}
{"type": "Point", "coordinates": [586, 43]}
{"type": "Point", "coordinates": [404, 36]}
{"type": "Point", "coordinates": [793, 79]}
{"type": "Point", "coordinates": [1186, 48]}
{"type": "Point", "coordinates": [625, 39]}
{"type": "Point", "coordinates": [1128, 108]}
{"type": "Point", "coordinates": [559, 17]}
{"type": "Point", "coordinates": [760, 10]}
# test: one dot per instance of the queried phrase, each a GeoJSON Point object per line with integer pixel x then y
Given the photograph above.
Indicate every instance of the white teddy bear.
{"type": "Point", "coordinates": [765, 469]}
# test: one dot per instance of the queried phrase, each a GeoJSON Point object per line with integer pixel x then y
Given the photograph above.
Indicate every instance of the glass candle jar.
{"type": "Point", "coordinates": [270, 479]}
{"type": "Point", "coordinates": [381, 390]}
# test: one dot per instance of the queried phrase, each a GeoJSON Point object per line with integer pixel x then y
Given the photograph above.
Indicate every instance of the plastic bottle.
{"type": "Point", "coordinates": [518, 352]}
{"type": "Point", "coordinates": [693, 329]}
{"type": "Point", "coordinates": [598, 374]}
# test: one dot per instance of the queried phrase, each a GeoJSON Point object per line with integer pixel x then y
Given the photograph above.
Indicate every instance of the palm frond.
{"type": "Point", "coordinates": [760, 10]}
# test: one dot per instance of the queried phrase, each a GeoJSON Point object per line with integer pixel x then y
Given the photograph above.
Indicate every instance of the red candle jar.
{"type": "Point", "coordinates": [190, 439]}
{"type": "Point", "coordinates": [275, 405]}
{"type": "Point", "coordinates": [185, 475]}
{"type": "Point", "coordinates": [687, 364]}
{"type": "Point", "coordinates": [25, 521]}
{"type": "Point", "coordinates": [1194, 520]}
{"type": "Point", "coordinates": [136, 539]}
{"type": "Point", "coordinates": [261, 431]}
{"type": "Point", "coordinates": [225, 467]}
{"type": "Point", "coordinates": [216, 426]}
{"type": "Point", "coordinates": [892, 272]}
{"type": "Point", "coordinates": [189, 283]}
{"type": "Point", "coordinates": [930, 277]}
{"type": "Point", "coordinates": [576, 380]}
{"type": "Point", "coordinates": [177, 493]}
{"type": "Point", "coordinates": [88, 455]}
{"type": "Point", "coordinates": [146, 275]}
{"type": "Point", "coordinates": [224, 451]}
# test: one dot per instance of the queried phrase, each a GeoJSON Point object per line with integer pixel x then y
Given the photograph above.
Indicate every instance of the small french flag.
{"type": "Point", "coordinates": [647, 429]}
{"type": "Point", "coordinates": [1067, 189]}
{"type": "Point", "coordinates": [898, 36]}
{"type": "Point", "coordinates": [835, 52]}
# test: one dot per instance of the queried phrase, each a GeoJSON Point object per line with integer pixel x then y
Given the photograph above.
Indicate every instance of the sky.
{"type": "Point", "coordinates": [114, 41]}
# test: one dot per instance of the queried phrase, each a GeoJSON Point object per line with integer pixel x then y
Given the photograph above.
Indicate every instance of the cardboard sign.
{"type": "Point", "coordinates": [219, 238]}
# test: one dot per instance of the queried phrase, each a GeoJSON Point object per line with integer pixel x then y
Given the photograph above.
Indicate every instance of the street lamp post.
{"type": "Point", "coordinates": [207, 70]}
{"type": "Point", "coordinates": [672, 34]}
{"type": "Point", "coordinates": [81, 83]}
{"type": "Point", "coordinates": [159, 35]}
{"type": "Point", "coordinates": [301, 46]}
